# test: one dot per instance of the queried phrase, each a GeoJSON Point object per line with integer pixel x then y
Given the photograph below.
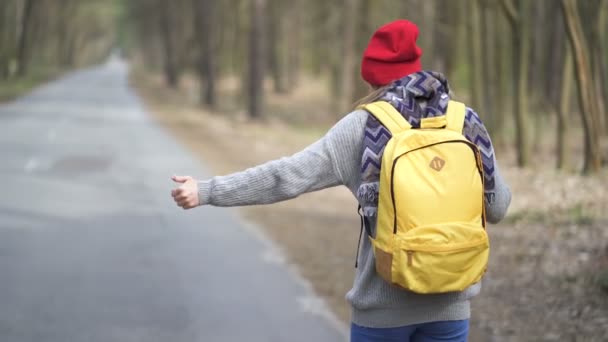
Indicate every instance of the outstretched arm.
{"type": "Point", "coordinates": [318, 166]}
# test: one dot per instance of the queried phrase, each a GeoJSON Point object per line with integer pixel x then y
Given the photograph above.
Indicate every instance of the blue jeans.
{"type": "Point", "coordinates": [452, 331]}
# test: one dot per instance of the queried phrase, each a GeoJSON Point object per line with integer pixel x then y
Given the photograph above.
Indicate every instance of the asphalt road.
{"type": "Point", "coordinates": [92, 247]}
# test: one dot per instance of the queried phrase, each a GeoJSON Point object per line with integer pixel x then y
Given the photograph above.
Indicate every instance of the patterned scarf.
{"type": "Point", "coordinates": [420, 95]}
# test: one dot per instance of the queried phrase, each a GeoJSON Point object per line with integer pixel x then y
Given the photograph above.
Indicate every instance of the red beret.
{"type": "Point", "coordinates": [392, 53]}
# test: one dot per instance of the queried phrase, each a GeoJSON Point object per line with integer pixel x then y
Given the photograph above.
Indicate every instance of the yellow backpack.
{"type": "Point", "coordinates": [430, 234]}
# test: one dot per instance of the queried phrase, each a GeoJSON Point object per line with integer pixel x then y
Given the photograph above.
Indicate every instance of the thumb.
{"type": "Point", "coordinates": [181, 179]}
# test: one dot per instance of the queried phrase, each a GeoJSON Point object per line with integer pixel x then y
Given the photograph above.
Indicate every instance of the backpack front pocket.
{"type": "Point", "coordinates": [440, 258]}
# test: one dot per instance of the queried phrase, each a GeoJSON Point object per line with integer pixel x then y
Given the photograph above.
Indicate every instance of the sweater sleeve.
{"type": "Point", "coordinates": [496, 209]}
{"type": "Point", "coordinates": [318, 166]}
{"type": "Point", "coordinates": [496, 192]}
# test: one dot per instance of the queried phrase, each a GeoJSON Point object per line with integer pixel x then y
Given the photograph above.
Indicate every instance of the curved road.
{"type": "Point", "coordinates": [93, 249]}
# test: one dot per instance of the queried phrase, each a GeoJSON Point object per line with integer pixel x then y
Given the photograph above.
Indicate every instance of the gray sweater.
{"type": "Point", "coordinates": [335, 160]}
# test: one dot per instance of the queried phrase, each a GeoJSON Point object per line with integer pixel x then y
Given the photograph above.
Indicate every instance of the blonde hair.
{"type": "Point", "coordinates": [377, 93]}
{"type": "Point", "coordinates": [373, 96]}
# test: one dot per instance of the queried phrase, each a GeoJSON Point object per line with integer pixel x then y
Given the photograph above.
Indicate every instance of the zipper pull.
{"type": "Point", "coordinates": [410, 256]}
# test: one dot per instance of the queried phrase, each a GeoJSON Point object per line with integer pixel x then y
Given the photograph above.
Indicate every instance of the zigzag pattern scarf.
{"type": "Point", "coordinates": [419, 95]}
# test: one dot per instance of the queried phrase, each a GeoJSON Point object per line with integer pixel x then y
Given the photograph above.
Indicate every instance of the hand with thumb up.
{"type": "Point", "coordinates": [185, 195]}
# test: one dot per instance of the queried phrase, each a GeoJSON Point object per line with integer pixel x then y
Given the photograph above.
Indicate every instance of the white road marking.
{"type": "Point", "coordinates": [273, 256]}
{"type": "Point", "coordinates": [31, 165]}
{"type": "Point", "coordinates": [51, 135]}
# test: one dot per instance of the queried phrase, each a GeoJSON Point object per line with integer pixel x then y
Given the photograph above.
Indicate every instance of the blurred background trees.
{"type": "Point", "coordinates": [534, 70]}
{"type": "Point", "coordinates": [40, 35]}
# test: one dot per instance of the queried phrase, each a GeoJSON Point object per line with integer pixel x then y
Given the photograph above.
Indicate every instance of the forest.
{"type": "Point", "coordinates": [523, 65]}
{"type": "Point", "coordinates": [218, 74]}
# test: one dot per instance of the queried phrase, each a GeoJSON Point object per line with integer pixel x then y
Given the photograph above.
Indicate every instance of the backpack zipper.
{"type": "Point", "coordinates": [466, 142]}
{"type": "Point", "coordinates": [410, 253]}
{"type": "Point", "coordinates": [448, 249]}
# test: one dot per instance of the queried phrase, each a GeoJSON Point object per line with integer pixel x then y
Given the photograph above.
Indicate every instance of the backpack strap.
{"type": "Point", "coordinates": [396, 123]}
{"type": "Point", "coordinates": [388, 116]}
{"type": "Point", "coordinates": [453, 119]}
{"type": "Point", "coordinates": [455, 115]}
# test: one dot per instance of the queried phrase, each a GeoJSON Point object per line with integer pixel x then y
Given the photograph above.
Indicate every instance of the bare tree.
{"type": "Point", "coordinates": [256, 59]}
{"type": "Point", "coordinates": [294, 43]}
{"type": "Point", "coordinates": [4, 42]}
{"type": "Point", "coordinates": [348, 55]}
{"type": "Point", "coordinates": [585, 86]}
{"type": "Point", "coordinates": [24, 31]}
{"type": "Point", "coordinates": [166, 26]}
{"type": "Point", "coordinates": [563, 110]}
{"type": "Point", "coordinates": [598, 58]}
{"type": "Point", "coordinates": [364, 32]}
{"type": "Point", "coordinates": [276, 35]}
{"type": "Point", "coordinates": [477, 71]}
{"type": "Point", "coordinates": [204, 22]}
{"type": "Point", "coordinates": [520, 36]}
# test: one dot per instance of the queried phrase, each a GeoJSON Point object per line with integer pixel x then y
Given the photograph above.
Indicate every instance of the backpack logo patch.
{"type": "Point", "coordinates": [437, 164]}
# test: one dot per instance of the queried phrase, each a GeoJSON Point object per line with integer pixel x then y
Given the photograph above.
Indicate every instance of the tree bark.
{"type": "Point", "coordinates": [598, 64]}
{"type": "Point", "coordinates": [348, 56]}
{"type": "Point", "coordinates": [477, 68]}
{"type": "Point", "coordinates": [364, 32]}
{"type": "Point", "coordinates": [294, 43]}
{"type": "Point", "coordinates": [502, 67]}
{"type": "Point", "coordinates": [490, 72]}
{"type": "Point", "coordinates": [4, 43]}
{"type": "Point", "coordinates": [442, 36]}
{"type": "Point", "coordinates": [166, 24]}
{"type": "Point", "coordinates": [275, 31]}
{"type": "Point", "coordinates": [256, 59]}
{"type": "Point", "coordinates": [427, 23]}
{"type": "Point", "coordinates": [204, 14]}
{"type": "Point", "coordinates": [563, 110]}
{"type": "Point", "coordinates": [586, 93]}
{"type": "Point", "coordinates": [22, 49]}
{"type": "Point", "coordinates": [559, 50]}
{"type": "Point", "coordinates": [520, 37]}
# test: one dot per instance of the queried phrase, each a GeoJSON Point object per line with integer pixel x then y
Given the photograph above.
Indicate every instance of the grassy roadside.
{"type": "Point", "coordinates": [15, 87]}
{"type": "Point", "coordinates": [542, 282]}
{"type": "Point", "coordinates": [307, 227]}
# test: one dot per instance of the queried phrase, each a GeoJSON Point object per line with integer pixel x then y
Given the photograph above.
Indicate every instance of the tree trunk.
{"type": "Point", "coordinates": [256, 59]}
{"type": "Point", "coordinates": [586, 93]}
{"type": "Point", "coordinates": [323, 32]}
{"type": "Point", "coordinates": [602, 27]}
{"type": "Point", "coordinates": [426, 23]}
{"type": "Point", "coordinates": [348, 56]}
{"type": "Point", "coordinates": [489, 78]}
{"type": "Point", "coordinates": [275, 29]}
{"type": "Point", "coordinates": [598, 64]}
{"type": "Point", "coordinates": [3, 43]}
{"type": "Point", "coordinates": [538, 56]}
{"type": "Point", "coordinates": [502, 67]}
{"type": "Point", "coordinates": [556, 45]}
{"type": "Point", "coordinates": [166, 24]}
{"type": "Point", "coordinates": [520, 36]}
{"type": "Point", "coordinates": [563, 110]}
{"type": "Point", "coordinates": [294, 43]}
{"type": "Point", "coordinates": [442, 35]}
{"type": "Point", "coordinates": [22, 49]}
{"type": "Point", "coordinates": [363, 34]}
{"type": "Point", "coordinates": [477, 64]}
{"type": "Point", "coordinates": [205, 14]}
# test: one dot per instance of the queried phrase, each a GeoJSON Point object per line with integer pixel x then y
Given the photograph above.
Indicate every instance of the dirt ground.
{"type": "Point", "coordinates": [547, 256]}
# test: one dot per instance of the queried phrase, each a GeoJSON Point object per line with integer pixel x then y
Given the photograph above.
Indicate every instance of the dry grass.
{"type": "Point", "coordinates": [545, 256]}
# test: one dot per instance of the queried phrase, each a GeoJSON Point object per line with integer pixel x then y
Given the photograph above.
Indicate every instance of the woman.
{"type": "Point", "coordinates": [380, 311]}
